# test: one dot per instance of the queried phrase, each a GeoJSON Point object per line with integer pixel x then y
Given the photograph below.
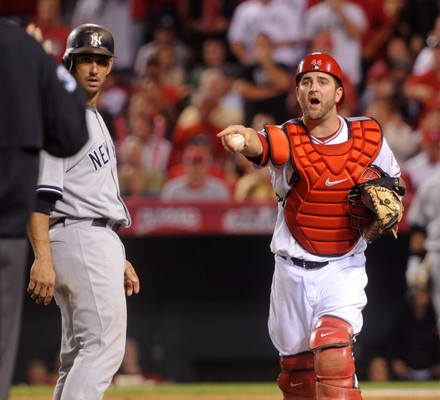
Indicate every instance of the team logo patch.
{"type": "Point", "coordinates": [316, 64]}
{"type": "Point", "coordinates": [95, 39]}
{"type": "Point", "coordinates": [99, 157]}
{"type": "Point", "coordinates": [328, 182]}
{"type": "Point", "coordinates": [66, 79]}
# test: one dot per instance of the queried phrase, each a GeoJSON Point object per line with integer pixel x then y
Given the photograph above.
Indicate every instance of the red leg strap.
{"type": "Point", "coordinates": [327, 392]}
{"type": "Point", "coordinates": [297, 380]}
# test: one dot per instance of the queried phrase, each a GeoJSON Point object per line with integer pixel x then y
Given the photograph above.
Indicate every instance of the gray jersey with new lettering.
{"type": "Point", "coordinates": [86, 183]}
{"type": "Point", "coordinates": [89, 262]}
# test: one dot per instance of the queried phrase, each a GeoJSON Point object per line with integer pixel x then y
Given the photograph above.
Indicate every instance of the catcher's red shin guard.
{"type": "Point", "coordinates": [327, 392]}
{"type": "Point", "coordinates": [331, 340]}
{"type": "Point", "coordinates": [297, 380]}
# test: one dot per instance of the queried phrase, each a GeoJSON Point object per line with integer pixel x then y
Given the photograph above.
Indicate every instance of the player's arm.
{"type": "Point", "coordinates": [417, 241]}
{"type": "Point", "coordinates": [417, 268]}
{"type": "Point", "coordinates": [131, 280]}
{"type": "Point", "coordinates": [249, 91]}
{"type": "Point", "coordinates": [42, 275]}
{"type": "Point", "coordinates": [239, 51]}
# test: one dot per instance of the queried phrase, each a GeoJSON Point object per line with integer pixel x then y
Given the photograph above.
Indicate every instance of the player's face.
{"type": "Point", "coordinates": [91, 71]}
{"type": "Point", "coordinates": [317, 94]}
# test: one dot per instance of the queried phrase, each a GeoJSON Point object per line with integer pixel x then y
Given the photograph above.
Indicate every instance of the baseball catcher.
{"type": "Point", "coordinates": [316, 162]}
{"type": "Point", "coordinates": [381, 196]}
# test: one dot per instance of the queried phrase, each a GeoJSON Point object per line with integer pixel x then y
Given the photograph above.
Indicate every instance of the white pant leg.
{"type": "Point", "coordinates": [290, 312]}
{"type": "Point", "coordinates": [299, 297]}
{"type": "Point", "coordinates": [89, 263]}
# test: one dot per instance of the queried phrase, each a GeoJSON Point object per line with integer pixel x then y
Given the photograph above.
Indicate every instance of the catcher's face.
{"type": "Point", "coordinates": [91, 71]}
{"type": "Point", "coordinates": [318, 94]}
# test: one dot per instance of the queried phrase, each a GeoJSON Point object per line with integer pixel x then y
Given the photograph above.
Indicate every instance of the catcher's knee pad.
{"type": "Point", "coordinates": [297, 380]}
{"type": "Point", "coordinates": [331, 341]}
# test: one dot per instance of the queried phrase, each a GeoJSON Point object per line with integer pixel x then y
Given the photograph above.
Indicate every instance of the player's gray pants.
{"type": "Point", "coordinates": [89, 264]}
{"type": "Point", "coordinates": [13, 254]}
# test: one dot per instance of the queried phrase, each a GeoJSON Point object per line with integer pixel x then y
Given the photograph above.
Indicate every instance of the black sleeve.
{"type": "Point", "coordinates": [418, 229]}
{"type": "Point", "coordinates": [63, 105]}
{"type": "Point", "coordinates": [45, 202]}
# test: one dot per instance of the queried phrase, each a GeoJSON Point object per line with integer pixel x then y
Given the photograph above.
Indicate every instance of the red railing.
{"type": "Point", "coordinates": [155, 217]}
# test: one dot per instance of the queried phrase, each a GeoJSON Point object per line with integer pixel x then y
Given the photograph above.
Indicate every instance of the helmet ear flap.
{"type": "Point", "coordinates": [67, 61]}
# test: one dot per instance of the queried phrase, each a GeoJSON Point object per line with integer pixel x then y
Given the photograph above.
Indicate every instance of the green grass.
{"type": "Point", "coordinates": [210, 388]}
{"type": "Point", "coordinates": [401, 385]}
{"type": "Point", "coordinates": [227, 388]}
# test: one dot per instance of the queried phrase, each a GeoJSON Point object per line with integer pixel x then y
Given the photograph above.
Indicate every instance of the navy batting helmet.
{"type": "Point", "coordinates": [88, 39]}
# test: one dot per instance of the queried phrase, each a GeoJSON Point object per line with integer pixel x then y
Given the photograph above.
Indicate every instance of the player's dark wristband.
{"type": "Point", "coordinates": [45, 202]}
{"type": "Point", "coordinates": [418, 229]}
{"type": "Point", "coordinates": [421, 254]}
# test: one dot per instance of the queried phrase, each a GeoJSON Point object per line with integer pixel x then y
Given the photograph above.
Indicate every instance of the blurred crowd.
{"type": "Point", "coordinates": [186, 69]}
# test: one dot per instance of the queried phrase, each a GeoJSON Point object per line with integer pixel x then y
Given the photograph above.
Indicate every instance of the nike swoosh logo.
{"type": "Point", "coordinates": [328, 182]}
{"type": "Point", "coordinates": [326, 334]}
{"type": "Point", "coordinates": [296, 384]}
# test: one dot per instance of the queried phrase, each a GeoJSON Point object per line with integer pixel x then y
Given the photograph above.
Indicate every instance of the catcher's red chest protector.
{"type": "Point", "coordinates": [315, 209]}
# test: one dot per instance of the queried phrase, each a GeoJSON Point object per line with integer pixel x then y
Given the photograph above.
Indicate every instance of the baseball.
{"type": "Point", "coordinates": [237, 141]}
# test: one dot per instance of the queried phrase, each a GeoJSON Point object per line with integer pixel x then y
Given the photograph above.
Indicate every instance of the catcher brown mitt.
{"type": "Point", "coordinates": [383, 197]}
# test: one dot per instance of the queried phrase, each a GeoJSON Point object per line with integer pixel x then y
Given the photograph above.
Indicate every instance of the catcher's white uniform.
{"type": "Point", "coordinates": [296, 301]}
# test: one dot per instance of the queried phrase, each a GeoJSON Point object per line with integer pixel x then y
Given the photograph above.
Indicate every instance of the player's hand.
{"type": "Point", "coordinates": [42, 282]}
{"type": "Point", "coordinates": [252, 148]}
{"type": "Point", "coordinates": [36, 33]}
{"type": "Point", "coordinates": [131, 280]}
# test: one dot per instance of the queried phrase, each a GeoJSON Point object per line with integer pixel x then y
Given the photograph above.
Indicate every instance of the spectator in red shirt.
{"type": "Point", "coordinates": [48, 18]}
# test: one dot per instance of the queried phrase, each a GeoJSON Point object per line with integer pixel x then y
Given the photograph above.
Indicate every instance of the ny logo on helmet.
{"type": "Point", "coordinates": [95, 39]}
{"type": "Point", "coordinates": [316, 64]}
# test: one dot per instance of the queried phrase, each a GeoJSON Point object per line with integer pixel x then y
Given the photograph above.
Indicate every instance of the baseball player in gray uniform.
{"type": "Point", "coordinates": [424, 219]}
{"type": "Point", "coordinates": [79, 257]}
{"type": "Point", "coordinates": [318, 287]}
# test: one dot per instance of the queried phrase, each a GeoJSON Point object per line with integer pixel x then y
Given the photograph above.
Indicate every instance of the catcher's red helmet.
{"type": "Point", "coordinates": [320, 62]}
{"type": "Point", "coordinates": [88, 39]}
